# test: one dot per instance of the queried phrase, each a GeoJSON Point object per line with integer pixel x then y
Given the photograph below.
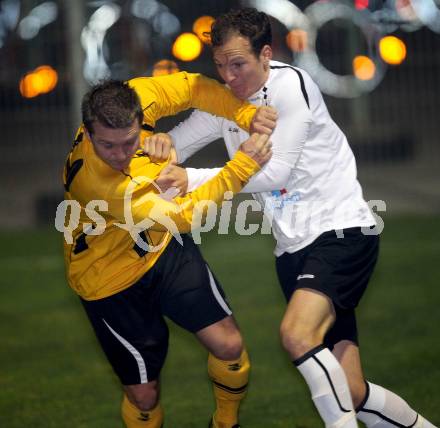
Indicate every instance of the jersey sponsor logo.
{"type": "Point", "coordinates": [305, 276]}
{"type": "Point", "coordinates": [281, 197]}
{"type": "Point", "coordinates": [278, 193]}
{"type": "Point", "coordinates": [233, 129]}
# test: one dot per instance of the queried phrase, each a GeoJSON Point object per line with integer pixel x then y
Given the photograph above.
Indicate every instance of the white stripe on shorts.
{"type": "Point", "coordinates": [136, 354]}
{"type": "Point", "coordinates": [217, 294]}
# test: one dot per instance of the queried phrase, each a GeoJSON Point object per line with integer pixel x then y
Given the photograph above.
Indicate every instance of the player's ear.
{"type": "Point", "coordinates": [266, 54]}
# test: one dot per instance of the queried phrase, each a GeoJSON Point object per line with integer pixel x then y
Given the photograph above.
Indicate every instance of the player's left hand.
{"type": "Point", "coordinates": [173, 176]}
{"type": "Point", "coordinates": [160, 148]}
{"type": "Point", "coordinates": [264, 121]}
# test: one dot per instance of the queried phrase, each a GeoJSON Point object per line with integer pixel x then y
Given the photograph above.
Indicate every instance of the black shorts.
{"type": "Point", "coordinates": [130, 325]}
{"type": "Point", "coordinates": [337, 267]}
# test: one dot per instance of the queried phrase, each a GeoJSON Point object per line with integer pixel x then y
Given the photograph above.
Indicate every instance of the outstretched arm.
{"type": "Point", "coordinates": [145, 203]}
{"type": "Point", "coordinates": [168, 95]}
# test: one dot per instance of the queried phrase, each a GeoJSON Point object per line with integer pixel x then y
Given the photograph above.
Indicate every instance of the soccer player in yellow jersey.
{"type": "Point", "coordinates": [128, 286]}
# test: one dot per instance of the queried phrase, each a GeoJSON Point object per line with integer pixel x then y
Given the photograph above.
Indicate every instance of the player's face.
{"type": "Point", "coordinates": [240, 68]}
{"type": "Point", "coordinates": [116, 147]}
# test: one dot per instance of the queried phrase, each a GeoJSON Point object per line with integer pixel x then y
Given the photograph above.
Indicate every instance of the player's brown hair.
{"type": "Point", "coordinates": [247, 22]}
{"type": "Point", "coordinates": [113, 103]}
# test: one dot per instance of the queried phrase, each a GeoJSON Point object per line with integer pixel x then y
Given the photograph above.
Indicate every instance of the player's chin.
{"type": "Point", "coordinates": [120, 166]}
{"type": "Point", "coordinates": [240, 93]}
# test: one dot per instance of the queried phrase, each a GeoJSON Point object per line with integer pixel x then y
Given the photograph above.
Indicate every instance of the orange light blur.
{"type": "Point", "coordinates": [39, 81]}
{"type": "Point", "coordinates": [49, 78]}
{"type": "Point", "coordinates": [363, 67]}
{"type": "Point", "coordinates": [164, 67]}
{"type": "Point", "coordinates": [187, 47]}
{"type": "Point", "coordinates": [27, 89]}
{"type": "Point", "coordinates": [202, 27]}
{"type": "Point", "coordinates": [392, 50]}
{"type": "Point", "coordinates": [296, 40]}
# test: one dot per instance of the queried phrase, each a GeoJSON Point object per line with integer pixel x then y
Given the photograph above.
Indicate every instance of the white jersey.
{"type": "Point", "coordinates": [310, 184]}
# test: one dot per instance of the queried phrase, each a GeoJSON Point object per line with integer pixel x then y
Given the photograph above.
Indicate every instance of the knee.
{"type": "Point", "coordinates": [145, 397]}
{"type": "Point", "coordinates": [231, 347]}
{"type": "Point", "coordinates": [358, 391]}
{"type": "Point", "coordinates": [297, 340]}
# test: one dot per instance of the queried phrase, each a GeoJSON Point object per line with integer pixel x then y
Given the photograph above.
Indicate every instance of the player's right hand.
{"type": "Point", "coordinates": [258, 147]}
{"type": "Point", "coordinates": [160, 148]}
{"type": "Point", "coordinates": [264, 120]}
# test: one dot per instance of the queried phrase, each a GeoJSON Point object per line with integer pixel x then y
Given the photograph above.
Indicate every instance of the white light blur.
{"type": "Point", "coordinates": [92, 40]}
{"type": "Point", "coordinates": [313, 18]}
{"type": "Point", "coordinates": [46, 12]}
{"type": "Point", "coordinates": [428, 12]}
{"type": "Point", "coordinates": [9, 14]}
{"type": "Point", "coordinates": [395, 14]}
{"type": "Point", "coordinates": [145, 9]}
{"type": "Point", "coordinates": [29, 27]}
{"type": "Point", "coordinates": [166, 24]}
{"type": "Point", "coordinates": [347, 86]}
{"type": "Point", "coordinates": [286, 12]}
{"type": "Point", "coordinates": [39, 16]}
{"type": "Point", "coordinates": [103, 18]}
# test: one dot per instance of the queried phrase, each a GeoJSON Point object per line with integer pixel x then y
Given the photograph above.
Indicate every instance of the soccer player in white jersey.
{"type": "Point", "coordinates": [327, 241]}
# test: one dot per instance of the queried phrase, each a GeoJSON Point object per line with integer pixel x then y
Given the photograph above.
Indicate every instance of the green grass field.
{"type": "Point", "coordinates": [53, 374]}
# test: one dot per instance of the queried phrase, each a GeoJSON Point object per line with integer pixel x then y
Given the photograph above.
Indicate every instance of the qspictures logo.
{"type": "Point", "coordinates": [164, 213]}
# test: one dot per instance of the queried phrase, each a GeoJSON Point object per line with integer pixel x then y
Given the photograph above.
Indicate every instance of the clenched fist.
{"type": "Point", "coordinates": [264, 120]}
{"type": "Point", "coordinates": [159, 148]}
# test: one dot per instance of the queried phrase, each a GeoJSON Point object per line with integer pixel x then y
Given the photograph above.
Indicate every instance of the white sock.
{"type": "Point", "coordinates": [328, 386]}
{"type": "Point", "coordinates": [384, 409]}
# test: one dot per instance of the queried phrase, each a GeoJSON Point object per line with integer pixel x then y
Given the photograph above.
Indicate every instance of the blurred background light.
{"type": "Point", "coordinates": [428, 12]}
{"type": "Point", "coordinates": [145, 9]}
{"type": "Point", "coordinates": [283, 10]}
{"type": "Point", "coordinates": [39, 81]}
{"type": "Point", "coordinates": [361, 33]}
{"type": "Point", "coordinates": [363, 67]}
{"type": "Point", "coordinates": [9, 14]}
{"type": "Point", "coordinates": [187, 47]}
{"type": "Point", "coordinates": [29, 27]}
{"type": "Point", "coordinates": [361, 4]}
{"type": "Point", "coordinates": [392, 50]}
{"type": "Point", "coordinates": [164, 67]}
{"type": "Point", "coordinates": [202, 27]}
{"type": "Point", "coordinates": [405, 10]}
{"type": "Point", "coordinates": [92, 40]}
{"type": "Point", "coordinates": [27, 87]}
{"type": "Point", "coordinates": [166, 24]}
{"type": "Point", "coordinates": [296, 40]}
{"type": "Point", "coordinates": [48, 76]}
{"type": "Point", "coordinates": [396, 14]}
{"type": "Point", "coordinates": [39, 17]}
{"type": "Point", "coordinates": [104, 17]}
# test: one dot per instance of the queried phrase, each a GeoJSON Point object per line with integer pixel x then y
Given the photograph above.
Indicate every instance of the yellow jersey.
{"type": "Point", "coordinates": [103, 262]}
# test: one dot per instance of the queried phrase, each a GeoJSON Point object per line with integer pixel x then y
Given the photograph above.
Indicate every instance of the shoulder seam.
{"type": "Point", "coordinates": [301, 81]}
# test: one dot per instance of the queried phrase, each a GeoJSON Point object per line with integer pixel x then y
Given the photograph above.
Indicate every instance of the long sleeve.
{"type": "Point", "coordinates": [288, 139]}
{"type": "Point", "coordinates": [193, 134]}
{"type": "Point", "coordinates": [273, 176]}
{"type": "Point", "coordinates": [168, 95]}
{"type": "Point", "coordinates": [199, 176]}
{"type": "Point", "coordinates": [177, 214]}
{"type": "Point", "coordinates": [293, 125]}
